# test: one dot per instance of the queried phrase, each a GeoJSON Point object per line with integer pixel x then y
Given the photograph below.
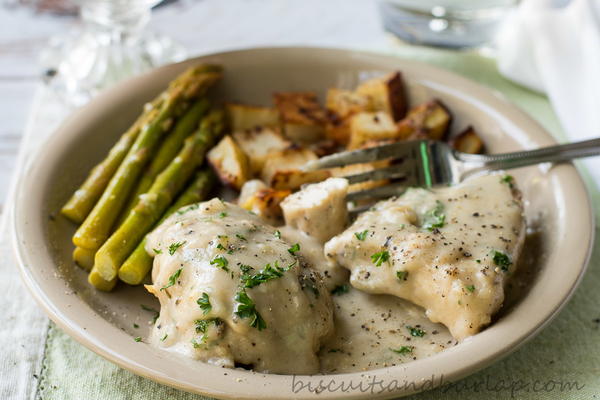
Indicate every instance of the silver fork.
{"type": "Point", "coordinates": [428, 163]}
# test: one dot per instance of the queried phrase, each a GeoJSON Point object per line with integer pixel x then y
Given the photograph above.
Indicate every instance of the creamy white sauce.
{"type": "Point", "coordinates": [203, 251]}
{"type": "Point", "coordinates": [374, 327]}
{"type": "Point", "coordinates": [450, 251]}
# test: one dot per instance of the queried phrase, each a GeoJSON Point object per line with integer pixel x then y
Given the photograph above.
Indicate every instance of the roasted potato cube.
{"type": "Point", "coordinates": [243, 116]}
{"type": "Point", "coordinates": [249, 189]}
{"type": "Point", "coordinates": [468, 141]}
{"type": "Point", "coordinates": [337, 128]}
{"type": "Point", "coordinates": [282, 170]}
{"type": "Point", "coordinates": [262, 200]}
{"type": "Point", "coordinates": [371, 126]}
{"type": "Point", "coordinates": [341, 105]}
{"type": "Point", "coordinates": [345, 103]}
{"type": "Point", "coordinates": [386, 94]}
{"type": "Point", "coordinates": [324, 147]}
{"type": "Point", "coordinates": [229, 162]}
{"type": "Point", "coordinates": [258, 143]}
{"type": "Point", "coordinates": [429, 120]}
{"type": "Point", "coordinates": [302, 117]}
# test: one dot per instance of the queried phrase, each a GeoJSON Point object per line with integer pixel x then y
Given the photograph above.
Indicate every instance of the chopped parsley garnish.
{"type": "Point", "coordinates": [203, 324]}
{"type": "Point", "coordinates": [174, 246]}
{"type": "Point", "coordinates": [204, 303]}
{"type": "Point", "coordinates": [135, 325]}
{"type": "Point", "coordinates": [501, 260]}
{"type": "Point", "coordinates": [137, 339]}
{"type": "Point", "coordinates": [380, 257]}
{"type": "Point", "coordinates": [509, 180]}
{"type": "Point", "coordinates": [402, 275]}
{"type": "Point", "coordinates": [470, 288]}
{"type": "Point", "coordinates": [266, 274]}
{"type": "Point", "coordinates": [222, 214]}
{"type": "Point", "coordinates": [434, 218]}
{"type": "Point", "coordinates": [340, 289]}
{"type": "Point", "coordinates": [416, 332]}
{"type": "Point", "coordinates": [361, 235]}
{"type": "Point", "coordinates": [277, 234]}
{"type": "Point", "coordinates": [478, 261]}
{"type": "Point", "coordinates": [164, 337]}
{"type": "Point", "coordinates": [172, 279]}
{"type": "Point", "coordinates": [241, 237]}
{"type": "Point", "coordinates": [150, 309]}
{"type": "Point", "coordinates": [245, 308]}
{"type": "Point", "coordinates": [294, 249]}
{"type": "Point", "coordinates": [202, 327]}
{"type": "Point", "coordinates": [220, 262]}
{"type": "Point", "coordinates": [157, 251]}
{"type": "Point", "coordinates": [403, 349]}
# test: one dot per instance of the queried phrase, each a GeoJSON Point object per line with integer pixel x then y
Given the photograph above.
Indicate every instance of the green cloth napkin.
{"type": "Point", "coordinates": [563, 362]}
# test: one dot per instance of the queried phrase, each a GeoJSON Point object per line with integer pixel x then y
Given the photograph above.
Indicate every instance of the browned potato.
{"type": "Point", "coordinates": [354, 169]}
{"type": "Point", "coordinates": [371, 126]}
{"type": "Point", "coordinates": [386, 94]}
{"type": "Point", "coordinates": [302, 117]}
{"type": "Point", "coordinates": [282, 170]}
{"type": "Point", "coordinates": [468, 141]}
{"type": "Point", "coordinates": [258, 143]}
{"type": "Point", "coordinates": [345, 103]}
{"type": "Point", "coordinates": [429, 120]}
{"type": "Point", "coordinates": [243, 116]}
{"type": "Point", "coordinates": [341, 105]}
{"type": "Point", "coordinates": [265, 202]}
{"type": "Point", "coordinates": [229, 162]}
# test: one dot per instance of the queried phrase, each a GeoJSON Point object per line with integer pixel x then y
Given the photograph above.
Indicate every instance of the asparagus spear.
{"type": "Point", "coordinates": [96, 280]}
{"type": "Point", "coordinates": [134, 269]}
{"type": "Point", "coordinates": [167, 151]}
{"type": "Point", "coordinates": [84, 257]}
{"type": "Point", "coordinates": [152, 204]}
{"type": "Point", "coordinates": [96, 227]}
{"type": "Point", "coordinates": [83, 200]}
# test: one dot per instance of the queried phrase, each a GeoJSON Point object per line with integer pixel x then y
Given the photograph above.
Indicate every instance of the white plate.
{"type": "Point", "coordinates": [556, 199]}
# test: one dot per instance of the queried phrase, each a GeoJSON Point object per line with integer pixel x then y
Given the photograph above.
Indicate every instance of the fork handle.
{"type": "Point", "coordinates": [562, 152]}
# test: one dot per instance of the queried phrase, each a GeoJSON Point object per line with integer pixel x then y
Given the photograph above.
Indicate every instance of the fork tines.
{"type": "Point", "coordinates": [394, 150]}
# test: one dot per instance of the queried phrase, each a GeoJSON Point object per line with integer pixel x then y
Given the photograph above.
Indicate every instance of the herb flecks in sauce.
{"type": "Point", "coordinates": [403, 350]}
{"type": "Point", "coordinates": [501, 259]}
{"type": "Point", "coordinates": [220, 262]}
{"type": "Point", "coordinates": [380, 257]}
{"type": "Point", "coordinates": [416, 332]}
{"type": "Point", "coordinates": [245, 308]}
{"type": "Point", "coordinates": [294, 249]}
{"type": "Point", "coordinates": [172, 279]}
{"type": "Point", "coordinates": [175, 246]}
{"type": "Point", "coordinates": [434, 218]}
{"type": "Point", "coordinates": [402, 275]}
{"type": "Point", "coordinates": [204, 303]}
{"type": "Point", "coordinates": [361, 235]}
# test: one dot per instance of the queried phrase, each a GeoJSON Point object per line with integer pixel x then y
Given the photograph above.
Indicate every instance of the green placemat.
{"type": "Point", "coordinates": [563, 362]}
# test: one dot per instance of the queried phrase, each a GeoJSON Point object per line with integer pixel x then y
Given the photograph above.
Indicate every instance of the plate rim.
{"type": "Point", "coordinates": [73, 329]}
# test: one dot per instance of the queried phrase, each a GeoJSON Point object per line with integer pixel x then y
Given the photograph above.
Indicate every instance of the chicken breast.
{"type": "Point", "coordinates": [450, 250]}
{"type": "Point", "coordinates": [319, 210]}
{"type": "Point", "coordinates": [233, 292]}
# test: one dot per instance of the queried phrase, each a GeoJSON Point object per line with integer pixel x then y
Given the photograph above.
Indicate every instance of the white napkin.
{"type": "Point", "coordinates": [553, 46]}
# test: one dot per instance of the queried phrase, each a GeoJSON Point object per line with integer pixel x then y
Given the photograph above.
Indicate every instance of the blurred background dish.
{"type": "Point", "coordinates": [112, 43]}
{"type": "Point", "coordinates": [445, 23]}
